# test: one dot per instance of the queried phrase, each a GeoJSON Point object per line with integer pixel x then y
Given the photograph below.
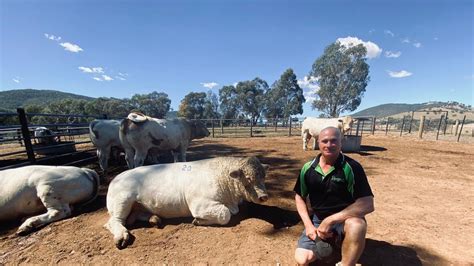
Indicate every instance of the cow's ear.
{"type": "Point", "coordinates": [340, 120]}
{"type": "Point", "coordinates": [236, 173]}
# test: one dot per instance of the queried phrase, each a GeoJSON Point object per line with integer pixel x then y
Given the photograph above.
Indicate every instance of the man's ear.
{"type": "Point", "coordinates": [236, 173]}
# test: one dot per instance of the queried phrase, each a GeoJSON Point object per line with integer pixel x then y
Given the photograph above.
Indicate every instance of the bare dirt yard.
{"type": "Point", "coordinates": [424, 196]}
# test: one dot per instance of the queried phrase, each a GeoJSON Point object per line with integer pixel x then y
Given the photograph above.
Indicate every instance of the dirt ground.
{"type": "Point", "coordinates": [424, 194]}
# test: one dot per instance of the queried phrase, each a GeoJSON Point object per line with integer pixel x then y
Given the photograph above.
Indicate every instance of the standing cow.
{"type": "Point", "coordinates": [208, 190]}
{"type": "Point", "coordinates": [104, 135]}
{"type": "Point", "coordinates": [31, 190]}
{"type": "Point", "coordinates": [312, 126]}
{"type": "Point", "coordinates": [140, 133]}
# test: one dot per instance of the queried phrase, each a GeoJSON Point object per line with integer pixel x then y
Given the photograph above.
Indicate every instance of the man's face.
{"type": "Point", "coordinates": [329, 142]}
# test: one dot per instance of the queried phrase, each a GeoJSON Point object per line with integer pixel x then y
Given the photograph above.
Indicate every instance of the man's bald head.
{"type": "Point", "coordinates": [332, 130]}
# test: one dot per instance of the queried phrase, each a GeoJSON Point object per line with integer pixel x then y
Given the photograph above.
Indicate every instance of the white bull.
{"type": "Point", "coordinates": [140, 133]}
{"type": "Point", "coordinates": [208, 190]}
{"type": "Point", "coordinates": [104, 135]}
{"type": "Point", "coordinates": [312, 126]}
{"type": "Point", "coordinates": [30, 190]}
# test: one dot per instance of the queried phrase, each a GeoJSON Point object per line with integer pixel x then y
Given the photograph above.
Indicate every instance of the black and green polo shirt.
{"type": "Point", "coordinates": [333, 191]}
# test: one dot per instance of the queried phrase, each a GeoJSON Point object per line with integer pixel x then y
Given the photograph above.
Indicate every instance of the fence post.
{"type": "Point", "coordinates": [386, 126]}
{"type": "Point", "coordinates": [251, 127]}
{"type": "Point", "coordinates": [212, 123]}
{"type": "Point", "coordinates": [411, 121]}
{"type": "Point", "coordinates": [373, 125]}
{"type": "Point", "coordinates": [420, 130]}
{"type": "Point", "coordinates": [456, 125]}
{"type": "Point", "coordinates": [357, 129]}
{"type": "Point", "coordinates": [222, 127]}
{"type": "Point", "coordinates": [276, 124]}
{"type": "Point", "coordinates": [445, 123]}
{"type": "Point", "coordinates": [460, 131]}
{"type": "Point", "coordinates": [26, 135]}
{"type": "Point", "coordinates": [289, 129]}
{"type": "Point", "coordinates": [362, 129]}
{"type": "Point", "coordinates": [403, 124]}
{"type": "Point", "coordinates": [439, 126]}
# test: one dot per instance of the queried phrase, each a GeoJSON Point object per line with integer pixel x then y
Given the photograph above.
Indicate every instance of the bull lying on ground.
{"type": "Point", "coordinates": [30, 190]}
{"type": "Point", "coordinates": [312, 126]}
{"type": "Point", "coordinates": [140, 133]}
{"type": "Point", "coordinates": [208, 190]}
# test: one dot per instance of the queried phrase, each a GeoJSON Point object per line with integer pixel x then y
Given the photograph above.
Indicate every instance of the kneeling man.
{"type": "Point", "coordinates": [340, 197]}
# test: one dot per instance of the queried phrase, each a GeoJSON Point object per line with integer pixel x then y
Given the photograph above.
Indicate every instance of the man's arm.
{"type": "Point", "coordinates": [359, 208]}
{"type": "Point", "coordinates": [303, 212]}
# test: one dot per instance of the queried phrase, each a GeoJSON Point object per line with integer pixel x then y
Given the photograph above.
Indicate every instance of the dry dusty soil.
{"type": "Point", "coordinates": [424, 196]}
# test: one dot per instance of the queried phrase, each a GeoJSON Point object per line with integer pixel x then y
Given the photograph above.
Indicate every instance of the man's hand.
{"type": "Point", "coordinates": [325, 229]}
{"type": "Point", "coordinates": [311, 232]}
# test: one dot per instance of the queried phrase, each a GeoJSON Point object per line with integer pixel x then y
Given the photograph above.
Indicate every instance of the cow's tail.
{"type": "Point", "coordinates": [95, 179]}
{"type": "Point", "coordinates": [94, 133]}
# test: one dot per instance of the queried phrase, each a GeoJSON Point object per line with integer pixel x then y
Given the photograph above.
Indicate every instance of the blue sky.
{"type": "Point", "coordinates": [419, 51]}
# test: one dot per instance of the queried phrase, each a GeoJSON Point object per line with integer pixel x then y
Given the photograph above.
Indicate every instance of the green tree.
{"type": "Point", "coordinates": [155, 104]}
{"type": "Point", "coordinates": [285, 98]}
{"type": "Point", "coordinates": [192, 106]}
{"type": "Point", "coordinates": [251, 97]}
{"type": "Point", "coordinates": [211, 106]}
{"type": "Point", "coordinates": [343, 75]}
{"type": "Point", "coordinates": [229, 104]}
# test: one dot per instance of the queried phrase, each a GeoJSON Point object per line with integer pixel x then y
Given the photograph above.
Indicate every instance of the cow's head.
{"type": "Point", "coordinates": [252, 175]}
{"type": "Point", "coordinates": [198, 130]}
{"type": "Point", "coordinates": [346, 122]}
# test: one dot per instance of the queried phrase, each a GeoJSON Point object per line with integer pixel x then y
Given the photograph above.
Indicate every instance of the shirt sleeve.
{"type": "Point", "coordinates": [361, 184]}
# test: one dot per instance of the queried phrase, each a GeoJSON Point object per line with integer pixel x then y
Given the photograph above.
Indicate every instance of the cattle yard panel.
{"type": "Point", "coordinates": [19, 146]}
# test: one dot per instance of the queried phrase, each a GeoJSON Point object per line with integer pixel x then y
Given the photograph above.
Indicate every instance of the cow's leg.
{"type": "Point", "coordinates": [175, 156]}
{"type": "Point", "coordinates": [140, 156]}
{"type": "Point", "coordinates": [55, 210]}
{"type": "Point", "coordinates": [315, 140]}
{"type": "Point", "coordinates": [305, 140]}
{"type": "Point", "coordinates": [119, 209]}
{"type": "Point", "coordinates": [216, 213]}
{"type": "Point", "coordinates": [182, 151]}
{"type": "Point", "coordinates": [140, 215]}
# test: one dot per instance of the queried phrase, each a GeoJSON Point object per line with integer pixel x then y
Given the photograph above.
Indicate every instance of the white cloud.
{"type": "Point", "coordinates": [52, 37]}
{"type": "Point", "coordinates": [235, 84]}
{"type": "Point", "coordinates": [71, 47]}
{"type": "Point", "coordinates": [388, 32]}
{"type": "Point", "coordinates": [391, 54]}
{"type": "Point", "coordinates": [97, 78]}
{"type": "Point", "coordinates": [417, 44]}
{"type": "Point", "coordinates": [107, 78]}
{"type": "Point", "coordinates": [399, 74]}
{"type": "Point", "coordinates": [91, 69]}
{"type": "Point", "coordinates": [123, 74]}
{"type": "Point", "coordinates": [16, 80]}
{"type": "Point", "coordinates": [406, 40]}
{"type": "Point", "coordinates": [373, 50]}
{"type": "Point", "coordinates": [371, 31]}
{"type": "Point", "coordinates": [120, 77]}
{"type": "Point", "coordinates": [311, 86]}
{"type": "Point", "coordinates": [209, 85]}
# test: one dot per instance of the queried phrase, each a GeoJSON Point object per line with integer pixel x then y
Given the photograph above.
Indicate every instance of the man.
{"type": "Point", "coordinates": [340, 197]}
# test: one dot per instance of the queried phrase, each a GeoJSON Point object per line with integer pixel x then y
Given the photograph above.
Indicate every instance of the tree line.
{"type": "Point", "coordinates": [342, 74]}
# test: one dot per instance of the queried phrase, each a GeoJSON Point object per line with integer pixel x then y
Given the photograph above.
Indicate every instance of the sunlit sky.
{"type": "Point", "coordinates": [418, 51]}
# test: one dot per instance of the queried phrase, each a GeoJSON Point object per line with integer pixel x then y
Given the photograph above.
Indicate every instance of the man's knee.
{"type": "Point", "coordinates": [304, 256]}
{"type": "Point", "coordinates": [355, 225]}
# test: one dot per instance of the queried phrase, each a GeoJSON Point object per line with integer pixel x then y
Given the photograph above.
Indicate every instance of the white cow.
{"type": "Point", "coordinates": [208, 190]}
{"type": "Point", "coordinates": [312, 126]}
{"type": "Point", "coordinates": [104, 135]}
{"type": "Point", "coordinates": [31, 190]}
{"type": "Point", "coordinates": [45, 136]}
{"type": "Point", "coordinates": [140, 133]}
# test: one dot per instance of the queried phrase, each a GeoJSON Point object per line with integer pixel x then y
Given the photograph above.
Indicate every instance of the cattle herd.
{"type": "Point", "coordinates": [209, 190]}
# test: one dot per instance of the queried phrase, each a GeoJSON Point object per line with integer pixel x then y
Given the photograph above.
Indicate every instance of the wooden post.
{"type": "Point", "coordinates": [373, 125]}
{"type": "Point", "coordinates": [439, 126]}
{"type": "Point", "coordinates": [456, 125]}
{"type": "Point", "coordinates": [251, 127]}
{"type": "Point", "coordinates": [420, 130]}
{"type": "Point", "coordinates": [26, 135]}
{"type": "Point", "coordinates": [445, 123]}
{"type": "Point", "coordinates": [289, 129]}
{"type": "Point", "coordinates": [362, 128]}
{"type": "Point", "coordinates": [212, 123]}
{"type": "Point", "coordinates": [276, 124]}
{"type": "Point", "coordinates": [460, 131]}
{"type": "Point", "coordinates": [403, 124]}
{"type": "Point", "coordinates": [222, 127]}
{"type": "Point", "coordinates": [411, 121]}
{"type": "Point", "coordinates": [357, 129]}
{"type": "Point", "coordinates": [386, 126]}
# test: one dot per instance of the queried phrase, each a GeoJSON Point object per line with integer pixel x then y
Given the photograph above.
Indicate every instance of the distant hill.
{"type": "Point", "coordinates": [13, 99]}
{"type": "Point", "coordinates": [429, 110]}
